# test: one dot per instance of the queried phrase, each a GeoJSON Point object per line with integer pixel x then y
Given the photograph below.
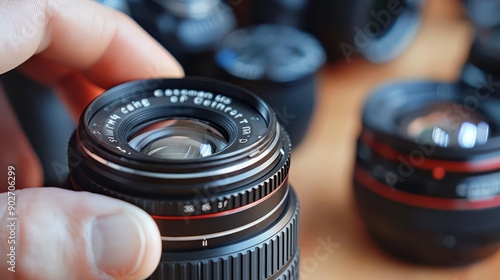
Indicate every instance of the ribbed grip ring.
{"type": "Point", "coordinates": [276, 258]}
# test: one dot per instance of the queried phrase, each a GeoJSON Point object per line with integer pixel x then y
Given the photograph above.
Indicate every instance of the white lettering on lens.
{"type": "Point", "coordinates": [134, 105]}
{"type": "Point", "coordinates": [479, 190]}
{"type": "Point", "coordinates": [223, 99]}
{"type": "Point", "coordinates": [182, 92]}
{"type": "Point", "coordinates": [246, 130]}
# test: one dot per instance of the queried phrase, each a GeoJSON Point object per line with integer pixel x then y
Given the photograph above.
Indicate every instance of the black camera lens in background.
{"type": "Point", "coordinates": [44, 120]}
{"type": "Point", "coordinates": [484, 13]}
{"type": "Point", "coordinates": [119, 5]}
{"type": "Point", "coordinates": [192, 30]}
{"type": "Point", "coordinates": [482, 69]}
{"type": "Point", "coordinates": [209, 162]}
{"type": "Point", "coordinates": [426, 178]}
{"type": "Point", "coordinates": [380, 30]}
{"type": "Point", "coordinates": [278, 63]}
{"type": "Point", "coordinates": [283, 12]}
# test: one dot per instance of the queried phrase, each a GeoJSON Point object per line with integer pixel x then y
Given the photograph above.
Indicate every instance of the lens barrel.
{"type": "Point", "coordinates": [208, 161]}
{"type": "Point", "coordinates": [423, 197]}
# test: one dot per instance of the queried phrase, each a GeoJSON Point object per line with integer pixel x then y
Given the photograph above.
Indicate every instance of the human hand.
{"type": "Point", "coordinates": [79, 48]}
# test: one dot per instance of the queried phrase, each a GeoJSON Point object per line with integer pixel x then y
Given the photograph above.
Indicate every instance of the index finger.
{"type": "Point", "coordinates": [108, 47]}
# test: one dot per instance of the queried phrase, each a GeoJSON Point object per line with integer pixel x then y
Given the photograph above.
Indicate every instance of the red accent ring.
{"type": "Point", "coordinates": [223, 213]}
{"type": "Point", "coordinates": [419, 200]}
{"type": "Point", "coordinates": [429, 164]}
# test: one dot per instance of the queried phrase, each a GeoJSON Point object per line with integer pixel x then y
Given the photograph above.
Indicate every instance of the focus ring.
{"type": "Point", "coordinates": [176, 208]}
{"type": "Point", "coordinates": [276, 258]}
{"type": "Point", "coordinates": [223, 269]}
{"type": "Point", "coordinates": [217, 204]}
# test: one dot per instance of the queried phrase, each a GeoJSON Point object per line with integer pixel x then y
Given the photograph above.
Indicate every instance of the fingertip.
{"type": "Point", "coordinates": [64, 233]}
{"type": "Point", "coordinates": [126, 244]}
{"type": "Point", "coordinates": [116, 48]}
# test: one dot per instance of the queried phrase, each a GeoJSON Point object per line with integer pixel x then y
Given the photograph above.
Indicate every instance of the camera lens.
{"type": "Point", "coordinates": [208, 161]}
{"type": "Point", "coordinates": [279, 63]}
{"type": "Point", "coordinates": [191, 30]}
{"type": "Point", "coordinates": [380, 30]}
{"type": "Point", "coordinates": [426, 177]}
{"type": "Point", "coordinates": [484, 13]}
{"type": "Point", "coordinates": [119, 5]}
{"type": "Point", "coordinates": [283, 12]}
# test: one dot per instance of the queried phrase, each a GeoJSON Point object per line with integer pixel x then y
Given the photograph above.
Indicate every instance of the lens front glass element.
{"type": "Point", "coordinates": [178, 139]}
{"type": "Point", "coordinates": [446, 124]}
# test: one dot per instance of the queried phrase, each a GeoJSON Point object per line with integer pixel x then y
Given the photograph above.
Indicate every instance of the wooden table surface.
{"type": "Point", "coordinates": [322, 164]}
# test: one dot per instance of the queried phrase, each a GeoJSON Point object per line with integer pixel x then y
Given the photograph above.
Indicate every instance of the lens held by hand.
{"type": "Point", "coordinates": [426, 177]}
{"type": "Point", "coordinates": [209, 161]}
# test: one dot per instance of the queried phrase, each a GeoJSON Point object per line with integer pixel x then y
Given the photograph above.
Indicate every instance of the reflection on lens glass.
{"type": "Point", "coordinates": [178, 139]}
{"type": "Point", "coordinates": [447, 125]}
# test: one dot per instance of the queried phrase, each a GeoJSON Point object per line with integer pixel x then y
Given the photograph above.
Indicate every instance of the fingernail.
{"type": "Point", "coordinates": [118, 244]}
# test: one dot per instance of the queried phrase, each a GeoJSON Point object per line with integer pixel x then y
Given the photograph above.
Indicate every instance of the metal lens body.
{"type": "Point", "coordinates": [208, 161]}
{"type": "Point", "coordinates": [427, 179]}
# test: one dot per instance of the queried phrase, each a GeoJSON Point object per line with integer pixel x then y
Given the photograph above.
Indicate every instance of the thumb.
{"type": "Point", "coordinates": [51, 233]}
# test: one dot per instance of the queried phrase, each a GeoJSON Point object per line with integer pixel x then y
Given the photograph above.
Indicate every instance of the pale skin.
{"type": "Point", "coordinates": [79, 48]}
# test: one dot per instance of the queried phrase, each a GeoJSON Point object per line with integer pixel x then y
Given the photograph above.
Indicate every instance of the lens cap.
{"type": "Point", "coordinates": [272, 53]}
{"type": "Point", "coordinates": [279, 64]}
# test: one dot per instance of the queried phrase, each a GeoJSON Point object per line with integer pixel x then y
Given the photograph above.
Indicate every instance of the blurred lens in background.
{"type": "Point", "coordinates": [44, 120]}
{"type": "Point", "coordinates": [119, 5]}
{"type": "Point", "coordinates": [278, 63]}
{"type": "Point", "coordinates": [484, 13]}
{"type": "Point", "coordinates": [481, 72]}
{"type": "Point", "coordinates": [426, 178]}
{"type": "Point", "coordinates": [380, 30]}
{"type": "Point", "coordinates": [284, 12]}
{"type": "Point", "coordinates": [192, 30]}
